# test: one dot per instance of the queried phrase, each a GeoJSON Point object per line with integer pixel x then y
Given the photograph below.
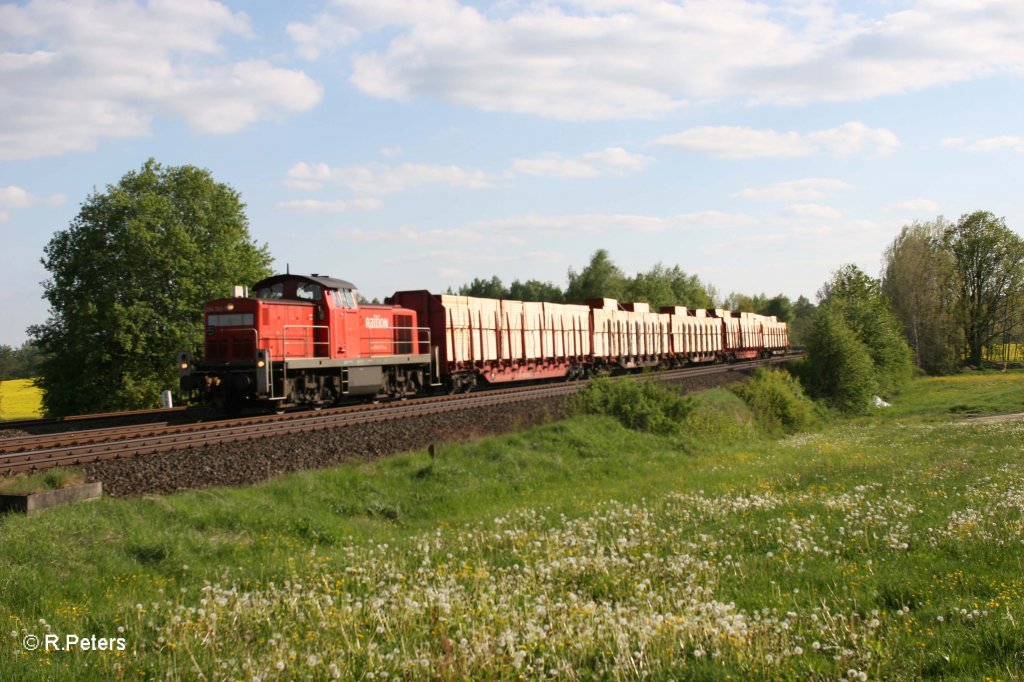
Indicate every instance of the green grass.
{"type": "Point", "coordinates": [964, 395]}
{"type": "Point", "coordinates": [19, 399]}
{"type": "Point", "coordinates": [888, 547]}
{"type": "Point", "coordinates": [50, 479]}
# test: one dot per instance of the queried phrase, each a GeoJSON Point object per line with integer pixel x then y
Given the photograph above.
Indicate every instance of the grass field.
{"type": "Point", "coordinates": [19, 399]}
{"type": "Point", "coordinates": [885, 548]}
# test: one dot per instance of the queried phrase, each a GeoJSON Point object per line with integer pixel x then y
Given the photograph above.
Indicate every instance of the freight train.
{"type": "Point", "coordinates": [306, 340]}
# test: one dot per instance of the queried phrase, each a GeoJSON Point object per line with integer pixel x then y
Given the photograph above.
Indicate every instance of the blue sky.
{"type": "Point", "coordinates": [421, 143]}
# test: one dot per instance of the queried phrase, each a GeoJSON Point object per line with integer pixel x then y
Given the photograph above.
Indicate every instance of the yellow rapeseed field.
{"type": "Point", "coordinates": [1010, 352]}
{"type": "Point", "coordinates": [19, 399]}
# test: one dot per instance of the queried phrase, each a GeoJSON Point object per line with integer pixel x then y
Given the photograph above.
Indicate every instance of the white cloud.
{"type": "Point", "coordinates": [452, 273]}
{"type": "Point", "coordinates": [96, 70]}
{"type": "Point", "coordinates": [614, 160]}
{"type": "Point", "coordinates": [324, 34]}
{"type": "Point", "coordinates": [475, 258]}
{"type": "Point", "coordinates": [855, 138]}
{"type": "Point", "coordinates": [380, 178]}
{"type": "Point", "coordinates": [317, 206]}
{"type": "Point", "coordinates": [745, 243]}
{"type": "Point", "coordinates": [12, 197]}
{"type": "Point", "coordinates": [501, 240]}
{"type": "Point", "coordinates": [812, 212]}
{"type": "Point", "coordinates": [598, 223]}
{"type": "Point", "coordinates": [795, 190]}
{"type": "Point", "coordinates": [383, 178]}
{"type": "Point", "coordinates": [986, 144]}
{"type": "Point", "coordinates": [728, 142]}
{"type": "Point", "coordinates": [916, 206]}
{"type": "Point", "coordinates": [578, 60]}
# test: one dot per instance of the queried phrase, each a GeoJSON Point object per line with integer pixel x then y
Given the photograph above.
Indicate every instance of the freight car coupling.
{"type": "Point", "coordinates": [306, 340]}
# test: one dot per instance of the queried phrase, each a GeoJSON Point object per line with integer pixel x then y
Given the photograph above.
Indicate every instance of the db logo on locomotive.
{"type": "Point", "coordinates": [377, 322]}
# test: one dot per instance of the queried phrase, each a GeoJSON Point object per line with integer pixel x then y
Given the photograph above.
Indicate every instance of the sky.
{"type": "Point", "coordinates": [411, 144]}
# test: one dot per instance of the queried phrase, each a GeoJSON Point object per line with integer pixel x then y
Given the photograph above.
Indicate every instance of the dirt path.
{"type": "Point", "coordinates": [999, 418]}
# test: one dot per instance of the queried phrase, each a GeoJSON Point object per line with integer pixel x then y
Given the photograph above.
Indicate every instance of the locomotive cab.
{"type": "Point", "coordinates": [305, 339]}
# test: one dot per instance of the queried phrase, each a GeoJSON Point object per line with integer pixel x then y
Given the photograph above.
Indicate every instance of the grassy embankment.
{"type": "Point", "coordinates": [888, 547]}
{"type": "Point", "coordinates": [19, 399]}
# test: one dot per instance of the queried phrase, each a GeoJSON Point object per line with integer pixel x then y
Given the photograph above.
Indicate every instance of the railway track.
{"type": "Point", "coordinates": [31, 453]}
{"type": "Point", "coordinates": [95, 421]}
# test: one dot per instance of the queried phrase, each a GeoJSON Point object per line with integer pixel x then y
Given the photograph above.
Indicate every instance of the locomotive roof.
{"type": "Point", "coordinates": [325, 282]}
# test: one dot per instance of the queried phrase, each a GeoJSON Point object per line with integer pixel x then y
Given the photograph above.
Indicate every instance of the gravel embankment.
{"type": "Point", "coordinates": [250, 462]}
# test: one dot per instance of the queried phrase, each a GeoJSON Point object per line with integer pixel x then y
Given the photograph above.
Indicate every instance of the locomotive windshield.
{"type": "Point", "coordinates": [313, 289]}
{"type": "Point", "coordinates": [309, 292]}
{"type": "Point", "coordinates": [272, 292]}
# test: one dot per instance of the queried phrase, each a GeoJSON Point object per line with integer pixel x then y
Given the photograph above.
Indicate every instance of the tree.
{"type": "Point", "coordinates": [780, 306]}
{"type": "Point", "coordinates": [128, 279]}
{"type": "Point", "coordinates": [917, 279]}
{"type": "Point", "coordinates": [19, 363]}
{"type": "Point", "coordinates": [839, 368]}
{"type": "Point", "coordinates": [7, 362]}
{"type": "Point", "coordinates": [484, 288]}
{"type": "Point", "coordinates": [988, 269]}
{"type": "Point", "coordinates": [803, 313]}
{"type": "Point", "coordinates": [535, 290]}
{"type": "Point", "coordinates": [600, 279]}
{"type": "Point", "coordinates": [661, 286]}
{"type": "Point", "coordinates": [856, 299]}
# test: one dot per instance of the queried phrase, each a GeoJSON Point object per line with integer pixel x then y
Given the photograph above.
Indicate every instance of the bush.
{"type": "Point", "coordinates": [645, 405]}
{"type": "Point", "coordinates": [856, 300]}
{"type": "Point", "coordinates": [778, 400]}
{"type": "Point", "coordinates": [839, 367]}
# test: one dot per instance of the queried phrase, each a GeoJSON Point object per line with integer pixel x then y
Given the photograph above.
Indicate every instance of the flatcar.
{"type": "Point", "coordinates": [307, 340]}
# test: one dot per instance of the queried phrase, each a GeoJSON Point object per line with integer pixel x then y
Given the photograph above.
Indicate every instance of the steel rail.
{"type": "Point", "coordinates": [100, 416]}
{"type": "Point", "coordinates": [83, 447]}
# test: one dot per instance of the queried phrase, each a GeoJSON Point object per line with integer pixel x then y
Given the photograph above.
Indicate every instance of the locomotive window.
{"type": "Point", "coordinates": [349, 300]}
{"type": "Point", "coordinates": [274, 291]}
{"type": "Point", "coordinates": [309, 292]}
{"type": "Point", "coordinates": [236, 320]}
{"type": "Point", "coordinates": [336, 298]}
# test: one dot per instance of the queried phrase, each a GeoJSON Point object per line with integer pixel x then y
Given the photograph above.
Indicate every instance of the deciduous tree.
{"type": "Point", "coordinates": [128, 279]}
{"type": "Point", "coordinates": [535, 290]}
{"type": "Point", "coordinates": [856, 300]}
{"type": "Point", "coordinates": [662, 286]}
{"type": "Point", "coordinates": [600, 279]}
{"type": "Point", "coordinates": [917, 279]}
{"type": "Point", "coordinates": [988, 265]}
{"type": "Point", "coordinates": [839, 368]}
{"type": "Point", "coordinates": [484, 288]}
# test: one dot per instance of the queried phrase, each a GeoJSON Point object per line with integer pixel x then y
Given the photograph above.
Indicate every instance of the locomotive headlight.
{"type": "Point", "coordinates": [231, 306]}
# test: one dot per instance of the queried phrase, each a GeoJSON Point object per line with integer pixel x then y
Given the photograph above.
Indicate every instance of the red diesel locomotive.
{"type": "Point", "coordinates": [306, 340]}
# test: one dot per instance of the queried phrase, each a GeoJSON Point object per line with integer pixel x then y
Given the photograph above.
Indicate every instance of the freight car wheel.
{"type": "Point", "coordinates": [461, 383]}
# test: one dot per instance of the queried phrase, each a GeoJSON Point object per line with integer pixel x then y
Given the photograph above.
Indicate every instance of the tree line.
{"type": "Point", "coordinates": [957, 288]}
{"type": "Point", "coordinates": [19, 363]}
{"type": "Point", "coordinates": [660, 286]}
